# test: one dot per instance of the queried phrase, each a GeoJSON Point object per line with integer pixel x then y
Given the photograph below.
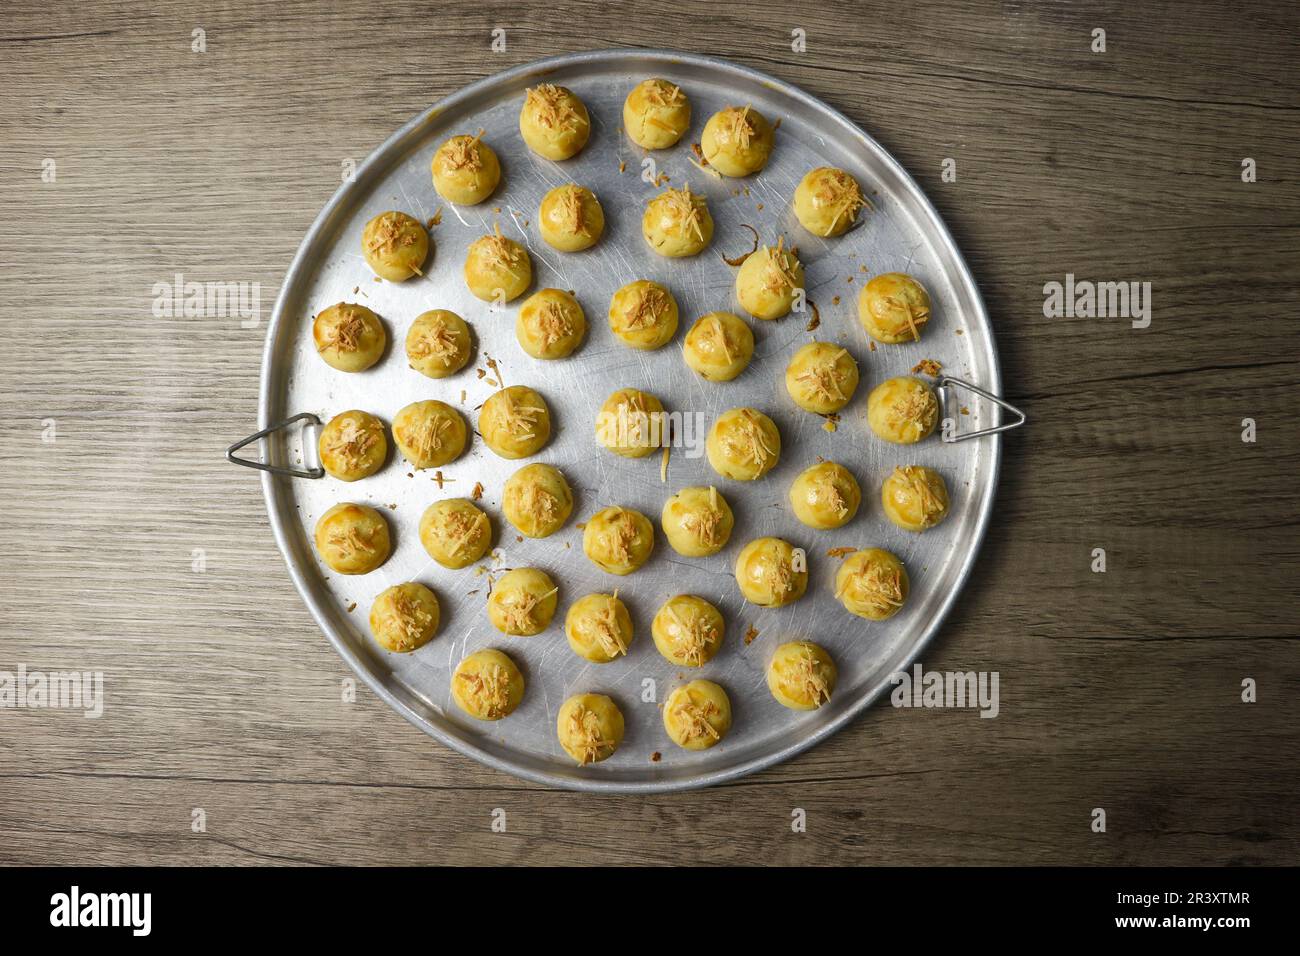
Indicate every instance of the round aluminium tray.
{"type": "Point", "coordinates": [902, 233]}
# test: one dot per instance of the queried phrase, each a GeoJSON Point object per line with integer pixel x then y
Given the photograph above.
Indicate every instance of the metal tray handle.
{"type": "Point", "coordinates": [947, 380]}
{"type": "Point", "coordinates": [316, 472]}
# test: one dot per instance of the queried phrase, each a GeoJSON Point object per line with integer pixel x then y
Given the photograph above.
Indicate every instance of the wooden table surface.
{"type": "Point", "coordinates": [1119, 690]}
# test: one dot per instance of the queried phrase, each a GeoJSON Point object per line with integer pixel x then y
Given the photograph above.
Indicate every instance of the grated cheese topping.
{"type": "Point", "coordinates": [518, 614]}
{"type": "Point", "coordinates": [662, 93]}
{"type": "Point", "coordinates": [914, 480]}
{"type": "Point", "coordinates": [572, 204]}
{"type": "Point", "coordinates": [839, 191]}
{"type": "Point", "coordinates": [778, 272]}
{"type": "Point", "coordinates": [390, 232]}
{"type": "Point", "coordinates": [684, 208]}
{"type": "Point", "coordinates": [462, 530]}
{"type": "Point", "coordinates": [915, 318]}
{"type": "Point", "coordinates": [823, 379]}
{"type": "Point", "coordinates": [605, 630]}
{"type": "Point", "coordinates": [551, 323]}
{"type": "Point", "coordinates": [691, 636]}
{"type": "Point", "coordinates": [497, 253]}
{"type": "Point", "coordinates": [805, 675]}
{"type": "Point", "coordinates": [632, 412]}
{"type": "Point", "coordinates": [776, 573]}
{"type": "Point", "coordinates": [426, 438]}
{"type": "Point", "coordinates": [585, 736]}
{"type": "Point", "coordinates": [488, 688]}
{"type": "Point", "coordinates": [352, 442]}
{"type": "Point", "coordinates": [618, 537]}
{"type": "Point", "coordinates": [828, 490]}
{"type": "Point", "coordinates": [720, 333]}
{"type": "Point", "coordinates": [644, 313]}
{"type": "Point", "coordinates": [350, 541]}
{"type": "Point", "coordinates": [704, 524]}
{"type": "Point", "coordinates": [877, 585]}
{"type": "Point", "coordinates": [535, 501]}
{"type": "Point", "coordinates": [736, 127]}
{"type": "Point", "coordinates": [408, 616]}
{"type": "Point", "coordinates": [915, 408]}
{"type": "Point", "coordinates": [692, 717]}
{"type": "Point", "coordinates": [518, 418]}
{"type": "Point", "coordinates": [746, 441]}
{"type": "Point", "coordinates": [552, 107]}
{"type": "Point", "coordinates": [462, 152]}
{"type": "Point", "coordinates": [345, 334]}
{"type": "Point", "coordinates": [436, 341]}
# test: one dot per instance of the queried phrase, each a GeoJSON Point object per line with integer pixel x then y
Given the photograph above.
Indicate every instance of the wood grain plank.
{"type": "Point", "coordinates": [1119, 690]}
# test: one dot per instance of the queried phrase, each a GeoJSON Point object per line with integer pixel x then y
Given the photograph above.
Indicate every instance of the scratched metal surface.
{"type": "Point", "coordinates": [903, 233]}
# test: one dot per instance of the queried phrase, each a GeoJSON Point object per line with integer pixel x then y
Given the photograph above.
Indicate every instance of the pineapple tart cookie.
{"type": "Point", "coordinates": [769, 280]}
{"type": "Point", "coordinates": [677, 223]}
{"type": "Point", "coordinates": [455, 532]}
{"type": "Point", "coordinates": [537, 500]}
{"type": "Point", "coordinates": [352, 445]}
{"type": "Point", "coordinates": [487, 685]}
{"type": "Point", "coordinates": [352, 538]}
{"type": "Point", "coordinates": [656, 114]}
{"type": "Point", "coordinates": [618, 540]}
{"type": "Point", "coordinates": [872, 584]}
{"type": "Point", "coordinates": [430, 434]}
{"type": "Point", "coordinates": [697, 522]}
{"type": "Point", "coordinates": [550, 324]}
{"type": "Point", "coordinates": [589, 727]}
{"type": "Point", "coordinates": [631, 423]}
{"type": "Point", "coordinates": [465, 170]}
{"type": "Point", "coordinates": [737, 141]}
{"type": "Point", "coordinates": [825, 496]}
{"type": "Point", "coordinates": [643, 315]}
{"type": "Point", "coordinates": [523, 602]}
{"type": "Point", "coordinates": [395, 246]}
{"type": "Point", "coordinates": [743, 444]}
{"type": "Point", "coordinates": [349, 337]}
{"type": "Point", "coordinates": [599, 628]}
{"type": "Point", "coordinates": [914, 498]}
{"type": "Point", "coordinates": [697, 715]}
{"type": "Point", "coordinates": [801, 675]}
{"type": "Point", "coordinates": [438, 343]}
{"type": "Point", "coordinates": [688, 630]}
{"type": "Point", "coordinates": [827, 201]}
{"type": "Point", "coordinates": [554, 122]}
{"type": "Point", "coordinates": [404, 617]}
{"type": "Point", "coordinates": [894, 308]}
{"type": "Point", "coordinates": [718, 346]}
{"type": "Point", "coordinates": [570, 218]}
{"type": "Point", "coordinates": [902, 410]}
{"type": "Point", "coordinates": [515, 422]}
{"type": "Point", "coordinates": [769, 574]}
{"type": "Point", "coordinates": [821, 377]}
{"type": "Point", "coordinates": [497, 268]}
